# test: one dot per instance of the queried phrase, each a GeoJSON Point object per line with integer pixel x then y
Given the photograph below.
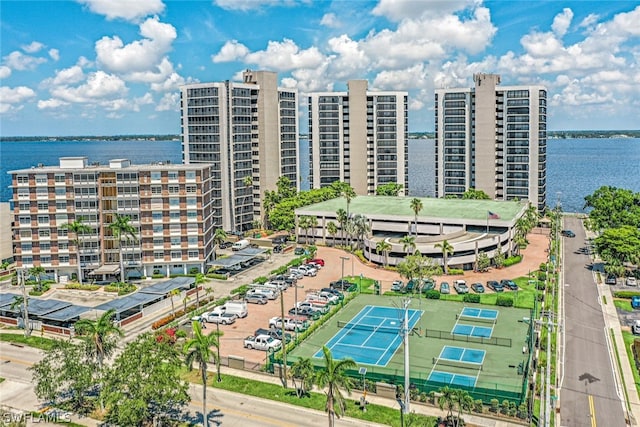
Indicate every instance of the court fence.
{"type": "Point", "coordinates": [447, 335]}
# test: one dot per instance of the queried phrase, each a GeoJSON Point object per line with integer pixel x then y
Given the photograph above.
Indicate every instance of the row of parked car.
{"type": "Point", "coordinates": [225, 314]}
{"type": "Point", "coordinates": [460, 286]}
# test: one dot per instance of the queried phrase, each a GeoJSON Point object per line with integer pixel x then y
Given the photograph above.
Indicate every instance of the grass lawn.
{"type": "Point", "coordinates": [317, 401]}
{"type": "Point", "coordinates": [31, 341]}
{"type": "Point", "coordinates": [629, 338]}
{"type": "Point", "coordinates": [623, 304]}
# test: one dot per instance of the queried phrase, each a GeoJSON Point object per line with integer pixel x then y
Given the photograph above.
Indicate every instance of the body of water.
{"type": "Point", "coordinates": [575, 167]}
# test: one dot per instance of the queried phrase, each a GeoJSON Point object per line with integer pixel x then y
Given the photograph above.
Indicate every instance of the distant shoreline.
{"type": "Point", "coordinates": [595, 134]}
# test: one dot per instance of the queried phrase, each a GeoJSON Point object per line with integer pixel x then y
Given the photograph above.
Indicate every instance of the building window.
{"type": "Point", "coordinates": [59, 177]}
{"type": "Point", "coordinates": [43, 219]}
{"type": "Point", "coordinates": [174, 215]}
{"type": "Point", "coordinates": [174, 202]}
{"type": "Point", "coordinates": [27, 260]}
{"type": "Point", "coordinates": [173, 176]}
{"type": "Point", "coordinates": [190, 175]}
{"type": "Point", "coordinates": [45, 246]}
{"type": "Point", "coordinates": [176, 254]}
{"type": "Point", "coordinates": [25, 234]}
{"type": "Point", "coordinates": [24, 219]}
{"type": "Point", "coordinates": [157, 228]}
{"type": "Point", "coordinates": [63, 232]}
{"type": "Point", "coordinates": [174, 189]}
{"type": "Point", "coordinates": [192, 201]}
{"type": "Point", "coordinates": [63, 246]}
{"type": "Point", "coordinates": [156, 176]}
{"type": "Point", "coordinates": [64, 259]}
{"type": "Point", "coordinates": [22, 179]}
{"type": "Point", "coordinates": [156, 216]}
{"type": "Point", "coordinates": [24, 206]}
{"type": "Point", "coordinates": [61, 205]}
{"type": "Point", "coordinates": [41, 179]}
{"type": "Point", "coordinates": [26, 247]}
{"type": "Point", "coordinates": [192, 214]}
{"type": "Point", "coordinates": [45, 259]}
{"type": "Point", "coordinates": [43, 206]}
{"type": "Point", "coordinates": [191, 189]}
{"type": "Point", "coordinates": [158, 255]}
{"type": "Point", "coordinates": [193, 254]}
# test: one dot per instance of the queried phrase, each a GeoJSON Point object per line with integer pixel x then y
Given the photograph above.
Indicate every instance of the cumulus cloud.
{"type": "Point", "coordinates": [398, 10]}
{"type": "Point", "coordinates": [12, 98]}
{"type": "Point", "coordinates": [231, 51]}
{"type": "Point", "coordinates": [246, 5]}
{"type": "Point", "coordinates": [285, 56]}
{"type": "Point", "coordinates": [169, 102]}
{"type": "Point", "coordinates": [561, 22]}
{"type": "Point", "coordinates": [54, 54]}
{"type": "Point", "coordinates": [32, 47]}
{"type": "Point", "coordinates": [52, 104]}
{"type": "Point", "coordinates": [124, 9]}
{"type": "Point", "coordinates": [4, 72]}
{"type": "Point", "coordinates": [330, 20]}
{"type": "Point", "coordinates": [19, 61]}
{"type": "Point", "coordinates": [97, 86]}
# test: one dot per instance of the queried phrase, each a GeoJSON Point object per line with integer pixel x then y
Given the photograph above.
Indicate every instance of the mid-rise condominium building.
{"type": "Point", "coordinates": [492, 138]}
{"type": "Point", "coordinates": [169, 206]}
{"type": "Point", "coordinates": [248, 133]}
{"type": "Point", "coordinates": [359, 137]}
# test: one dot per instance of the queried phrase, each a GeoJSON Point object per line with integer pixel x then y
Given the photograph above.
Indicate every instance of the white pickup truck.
{"type": "Point", "coordinates": [262, 342]}
{"type": "Point", "coordinates": [289, 324]}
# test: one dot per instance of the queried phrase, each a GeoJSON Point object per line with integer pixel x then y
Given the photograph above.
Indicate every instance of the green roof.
{"type": "Point", "coordinates": [432, 207]}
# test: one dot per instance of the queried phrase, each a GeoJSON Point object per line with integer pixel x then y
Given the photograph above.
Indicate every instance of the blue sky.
{"type": "Point", "coordinates": [114, 67]}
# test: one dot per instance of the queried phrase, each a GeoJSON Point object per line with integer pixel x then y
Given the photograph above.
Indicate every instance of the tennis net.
{"type": "Point", "coordinates": [457, 363]}
{"type": "Point", "coordinates": [361, 327]}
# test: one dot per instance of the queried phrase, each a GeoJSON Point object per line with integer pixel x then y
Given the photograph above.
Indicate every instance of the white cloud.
{"type": "Point", "coordinates": [285, 56]}
{"type": "Point", "coordinates": [51, 103]}
{"type": "Point", "coordinates": [19, 61]}
{"type": "Point", "coordinates": [398, 10]}
{"type": "Point", "coordinates": [562, 21]}
{"type": "Point", "coordinates": [5, 72]}
{"type": "Point", "coordinates": [330, 20]}
{"type": "Point", "coordinates": [32, 47]}
{"type": "Point", "coordinates": [67, 76]}
{"type": "Point", "coordinates": [98, 86]}
{"type": "Point", "coordinates": [124, 9]}
{"type": "Point", "coordinates": [54, 54]}
{"type": "Point", "coordinates": [170, 101]}
{"type": "Point", "coordinates": [11, 99]}
{"type": "Point", "coordinates": [246, 5]}
{"type": "Point", "coordinates": [231, 51]}
{"type": "Point", "coordinates": [138, 56]}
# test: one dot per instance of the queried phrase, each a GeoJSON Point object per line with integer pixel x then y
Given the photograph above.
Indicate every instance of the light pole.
{"type": "Point", "coordinates": [218, 364]}
{"type": "Point", "coordinates": [295, 305]}
{"type": "Point", "coordinates": [363, 401]}
{"type": "Point", "coordinates": [284, 341]}
{"type": "Point", "coordinates": [343, 259]}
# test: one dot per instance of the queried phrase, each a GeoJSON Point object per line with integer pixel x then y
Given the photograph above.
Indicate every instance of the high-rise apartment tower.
{"type": "Point", "coordinates": [492, 138]}
{"type": "Point", "coordinates": [359, 137]}
{"type": "Point", "coordinates": [248, 132]}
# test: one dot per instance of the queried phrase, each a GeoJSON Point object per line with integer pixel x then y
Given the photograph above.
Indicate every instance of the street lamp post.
{"type": "Point", "coordinates": [219, 379]}
{"type": "Point", "coordinates": [343, 259]}
{"type": "Point", "coordinates": [363, 400]}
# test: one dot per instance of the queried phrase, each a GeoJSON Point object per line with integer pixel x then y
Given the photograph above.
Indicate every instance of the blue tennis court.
{"type": "Point", "coordinates": [472, 331]}
{"type": "Point", "coordinates": [481, 314]}
{"type": "Point", "coordinates": [452, 379]}
{"type": "Point", "coordinates": [372, 336]}
{"type": "Point", "coordinates": [462, 354]}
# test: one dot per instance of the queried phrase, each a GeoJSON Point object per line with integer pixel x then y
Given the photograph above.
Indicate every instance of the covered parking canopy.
{"type": "Point", "coordinates": [105, 269]}
{"type": "Point", "coordinates": [163, 288]}
{"type": "Point", "coordinates": [38, 307]}
{"type": "Point", "coordinates": [67, 314]}
{"type": "Point", "coordinates": [7, 299]}
{"type": "Point", "coordinates": [134, 302]}
{"type": "Point", "coordinates": [238, 257]}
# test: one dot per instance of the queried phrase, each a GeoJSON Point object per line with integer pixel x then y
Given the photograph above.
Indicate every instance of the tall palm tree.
{"type": "Point", "coordinates": [37, 272]}
{"type": "Point", "coordinates": [342, 218]}
{"type": "Point", "coordinates": [408, 243]}
{"type": "Point", "coordinates": [348, 193]}
{"type": "Point", "coordinates": [199, 350]}
{"type": "Point", "coordinates": [219, 236]}
{"type": "Point", "coordinates": [384, 247]}
{"type": "Point", "coordinates": [101, 334]}
{"type": "Point", "coordinates": [302, 370]}
{"type": "Point", "coordinates": [78, 228]}
{"type": "Point", "coordinates": [464, 402]}
{"type": "Point", "coordinates": [447, 400]}
{"type": "Point", "coordinates": [200, 279]}
{"type": "Point", "coordinates": [313, 224]}
{"type": "Point", "coordinates": [122, 229]}
{"type": "Point", "coordinates": [23, 303]}
{"type": "Point", "coordinates": [416, 207]}
{"type": "Point", "coordinates": [360, 228]}
{"type": "Point", "coordinates": [332, 378]}
{"type": "Point", "coordinates": [173, 293]}
{"type": "Point", "coordinates": [447, 249]}
{"type": "Point", "coordinates": [332, 229]}
{"type": "Point", "coordinates": [304, 223]}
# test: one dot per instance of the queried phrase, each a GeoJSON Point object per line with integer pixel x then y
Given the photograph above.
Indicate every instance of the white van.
{"type": "Point", "coordinates": [239, 308]}
{"type": "Point", "coordinates": [239, 245]}
{"type": "Point", "coordinates": [268, 293]}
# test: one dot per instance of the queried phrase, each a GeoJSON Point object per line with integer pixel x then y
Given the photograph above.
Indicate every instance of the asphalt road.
{"type": "Point", "coordinates": [588, 385]}
{"type": "Point", "coordinates": [225, 408]}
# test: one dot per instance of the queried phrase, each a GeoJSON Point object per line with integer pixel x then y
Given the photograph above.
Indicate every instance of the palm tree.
{"type": "Point", "coordinates": [408, 243]}
{"type": "Point", "coordinates": [447, 249]}
{"type": "Point", "coordinates": [121, 228]}
{"type": "Point", "coordinates": [447, 400]}
{"type": "Point", "coordinates": [101, 334]}
{"type": "Point", "coordinates": [198, 350]}
{"type": "Point", "coordinates": [331, 379]}
{"type": "Point", "coordinates": [348, 193]}
{"type": "Point", "coordinates": [219, 236]}
{"type": "Point", "coordinates": [342, 218]}
{"type": "Point", "coordinates": [271, 199]}
{"type": "Point", "coordinates": [360, 228]}
{"type": "Point", "coordinates": [304, 222]}
{"type": "Point", "coordinates": [313, 223]}
{"type": "Point", "coordinates": [78, 228]}
{"type": "Point", "coordinates": [416, 207]}
{"type": "Point", "coordinates": [384, 247]}
{"type": "Point", "coordinates": [302, 370]}
{"type": "Point", "coordinates": [173, 293]}
{"type": "Point", "coordinates": [247, 181]}
{"type": "Point", "coordinates": [201, 279]}
{"type": "Point", "coordinates": [464, 401]}
{"type": "Point", "coordinates": [23, 303]}
{"type": "Point", "coordinates": [37, 272]}
{"type": "Point", "coordinates": [332, 229]}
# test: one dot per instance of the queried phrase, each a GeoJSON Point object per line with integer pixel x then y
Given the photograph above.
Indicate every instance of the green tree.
{"type": "Point", "coordinates": [286, 188]}
{"type": "Point", "coordinates": [144, 386]}
{"type": "Point", "coordinates": [342, 218]}
{"type": "Point", "coordinates": [313, 224]}
{"type": "Point", "coordinates": [498, 258]}
{"type": "Point", "coordinates": [408, 243]}
{"type": "Point", "coordinates": [472, 193]}
{"type": "Point", "coordinates": [447, 249]}
{"type": "Point", "coordinates": [68, 370]}
{"type": "Point", "coordinates": [22, 302]}
{"type": "Point", "coordinates": [122, 230]}
{"type": "Point", "coordinates": [416, 207]}
{"type": "Point", "coordinates": [483, 262]}
{"type": "Point", "coordinates": [302, 374]}
{"type": "Point", "coordinates": [247, 181]}
{"type": "Point", "coordinates": [332, 378]}
{"type": "Point", "coordinates": [383, 247]}
{"type": "Point", "coordinates": [37, 273]}
{"type": "Point", "coordinates": [447, 400]}
{"type": "Point", "coordinates": [173, 293]}
{"type": "Point", "coordinates": [612, 207]}
{"type": "Point", "coordinates": [200, 279]}
{"type": "Point", "coordinates": [101, 335]}
{"type": "Point", "coordinates": [219, 236]}
{"type": "Point", "coordinates": [78, 228]}
{"type": "Point", "coordinates": [332, 229]}
{"type": "Point", "coordinates": [199, 350]}
{"type": "Point", "coordinates": [389, 189]}
{"type": "Point", "coordinates": [619, 245]}
{"type": "Point", "coordinates": [360, 228]}
{"type": "Point", "coordinates": [348, 193]}
{"type": "Point", "coordinates": [464, 403]}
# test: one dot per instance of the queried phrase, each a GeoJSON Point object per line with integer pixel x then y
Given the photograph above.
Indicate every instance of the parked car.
{"type": "Point", "coordinates": [444, 288]}
{"type": "Point", "coordinates": [262, 342]}
{"type": "Point", "coordinates": [335, 292]}
{"type": "Point", "coordinates": [274, 333]}
{"type": "Point", "coordinates": [308, 270]}
{"type": "Point", "coordinates": [428, 285]}
{"type": "Point", "coordinates": [568, 233]}
{"type": "Point", "coordinates": [225, 245]}
{"type": "Point", "coordinates": [219, 317]}
{"type": "Point", "coordinates": [298, 251]}
{"type": "Point", "coordinates": [298, 274]}
{"type": "Point", "coordinates": [317, 261]}
{"type": "Point", "coordinates": [495, 286]}
{"type": "Point", "coordinates": [477, 288]}
{"type": "Point", "coordinates": [611, 279]}
{"type": "Point", "coordinates": [267, 293]}
{"type": "Point", "coordinates": [509, 284]}
{"type": "Point", "coordinates": [255, 298]}
{"type": "Point", "coordinates": [307, 312]}
{"type": "Point", "coordinates": [397, 285]}
{"type": "Point", "coordinates": [341, 284]}
{"type": "Point", "coordinates": [289, 324]}
{"type": "Point", "coordinates": [461, 287]}
{"type": "Point", "coordinates": [631, 281]}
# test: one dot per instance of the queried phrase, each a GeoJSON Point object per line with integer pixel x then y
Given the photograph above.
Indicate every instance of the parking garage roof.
{"type": "Point", "coordinates": [167, 286]}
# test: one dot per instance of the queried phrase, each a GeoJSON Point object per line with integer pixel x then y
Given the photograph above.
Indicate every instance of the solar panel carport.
{"type": "Point", "coordinates": [163, 288]}
{"type": "Point", "coordinates": [130, 304]}
{"type": "Point", "coordinates": [38, 307]}
{"type": "Point", "coordinates": [238, 257]}
{"type": "Point", "coordinates": [66, 315]}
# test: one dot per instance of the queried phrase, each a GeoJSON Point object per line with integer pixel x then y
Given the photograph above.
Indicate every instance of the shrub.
{"type": "Point", "coordinates": [626, 294]}
{"type": "Point", "coordinates": [477, 406]}
{"type": "Point", "coordinates": [504, 407]}
{"type": "Point", "coordinates": [495, 404]}
{"type": "Point", "coordinates": [241, 290]}
{"type": "Point", "coordinates": [542, 275]}
{"type": "Point", "coordinates": [471, 298]}
{"type": "Point", "coordinates": [541, 286]}
{"type": "Point", "coordinates": [504, 301]}
{"type": "Point", "coordinates": [217, 276]}
{"type": "Point", "coordinates": [262, 280]}
{"type": "Point", "coordinates": [432, 294]}
{"type": "Point", "coordinates": [194, 270]}
{"type": "Point", "coordinates": [455, 271]}
{"type": "Point", "coordinates": [157, 276]}
{"type": "Point", "coordinates": [542, 267]}
{"type": "Point", "coordinates": [522, 411]}
{"type": "Point", "coordinates": [512, 260]}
